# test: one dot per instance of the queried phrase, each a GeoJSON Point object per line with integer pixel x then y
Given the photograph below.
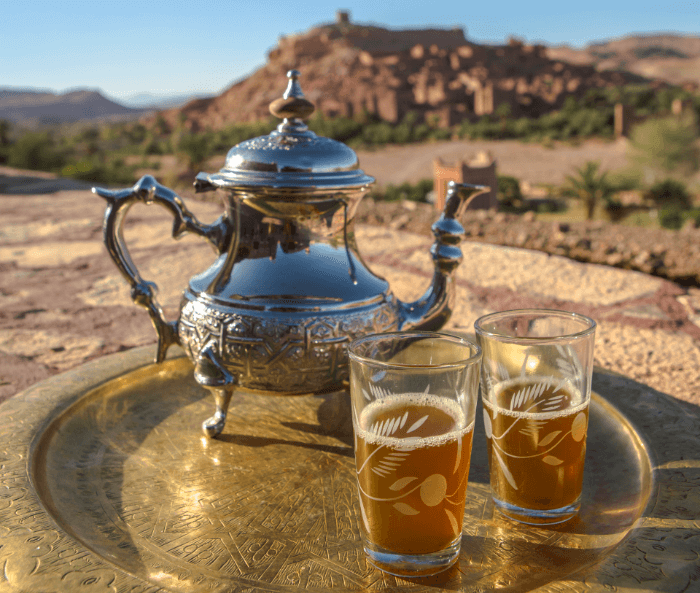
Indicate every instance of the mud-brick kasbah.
{"type": "Point", "coordinates": [349, 69]}
{"type": "Point", "coordinates": [352, 69]}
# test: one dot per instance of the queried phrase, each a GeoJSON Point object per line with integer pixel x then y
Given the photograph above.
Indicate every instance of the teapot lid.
{"type": "Point", "coordinates": [290, 158]}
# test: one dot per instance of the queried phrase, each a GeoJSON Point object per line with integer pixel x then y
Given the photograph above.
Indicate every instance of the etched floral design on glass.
{"type": "Point", "coordinates": [535, 385]}
{"type": "Point", "coordinates": [536, 442]}
{"type": "Point", "coordinates": [412, 459]}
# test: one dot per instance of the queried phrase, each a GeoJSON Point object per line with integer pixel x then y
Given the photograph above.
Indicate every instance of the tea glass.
{"type": "Point", "coordinates": [414, 398]}
{"type": "Point", "coordinates": [536, 388]}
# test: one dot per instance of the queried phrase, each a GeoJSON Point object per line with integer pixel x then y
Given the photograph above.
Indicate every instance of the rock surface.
{"type": "Point", "coordinates": [674, 255]}
{"type": "Point", "coordinates": [62, 302]}
{"type": "Point", "coordinates": [674, 58]}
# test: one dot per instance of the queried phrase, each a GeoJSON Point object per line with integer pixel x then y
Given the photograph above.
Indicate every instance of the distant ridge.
{"type": "Point", "coordinates": [160, 100]}
{"type": "Point", "coordinates": [46, 107]}
{"type": "Point", "coordinates": [674, 58]}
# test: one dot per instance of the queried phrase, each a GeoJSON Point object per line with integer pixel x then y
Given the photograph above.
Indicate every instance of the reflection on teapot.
{"type": "Point", "coordinates": [289, 289]}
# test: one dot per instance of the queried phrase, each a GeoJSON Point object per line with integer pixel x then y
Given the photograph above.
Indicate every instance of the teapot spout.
{"type": "Point", "coordinates": [432, 310]}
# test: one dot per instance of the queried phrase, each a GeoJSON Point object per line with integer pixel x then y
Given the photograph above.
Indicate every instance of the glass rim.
{"type": "Point", "coordinates": [575, 335]}
{"type": "Point", "coordinates": [460, 362]}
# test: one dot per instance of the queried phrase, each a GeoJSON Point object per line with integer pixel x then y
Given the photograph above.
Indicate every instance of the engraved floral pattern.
{"type": "Point", "coordinates": [281, 354]}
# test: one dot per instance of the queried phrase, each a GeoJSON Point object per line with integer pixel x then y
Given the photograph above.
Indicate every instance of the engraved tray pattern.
{"type": "Point", "coordinates": [107, 485]}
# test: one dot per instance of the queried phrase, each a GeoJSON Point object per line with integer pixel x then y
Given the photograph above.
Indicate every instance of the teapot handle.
{"type": "Point", "coordinates": [148, 191]}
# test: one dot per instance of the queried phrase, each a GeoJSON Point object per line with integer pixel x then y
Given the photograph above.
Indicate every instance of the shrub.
{"type": "Point", "coordinates": [136, 133]}
{"type": "Point", "coordinates": [404, 132]}
{"type": "Point", "coordinates": [195, 148]}
{"type": "Point", "coordinates": [503, 111]}
{"type": "Point", "coordinates": [510, 196]}
{"type": "Point", "coordinates": [591, 122]}
{"type": "Point", "coordinates": [417, 192]}
{"type": "Point", "coordinates": [669, 192]}
{"type": "Point", "coordinates": [550, 205]}
{"type": "Point", "coordinates": [153, 145]}
{"type": "Point", "coordinates": [35, 150]}
{"type": "Point", "coordinates": [671, 217]}
{"type": "Point", "coordinates": [101, 171]}
{"type": "Point", "coordinates": [693, 215]}
{"type": "Point", "coordinates": [4, 140]}
{"type": "Point", "coordinates": [421, 132]}
{"type": "Point", "coordinates": [441, 134]}
{"type": "Point", "coordinates": [338, 128]}
{"type": "Point", "coordinates": [377, 133]}
{"type": "Point", "coordinates": [523, 127]}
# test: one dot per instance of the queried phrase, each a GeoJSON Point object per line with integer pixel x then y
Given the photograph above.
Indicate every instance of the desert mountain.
{"type": "Point", "coordinates": [49, 108]}
{"type": "Point", "coordinates": [672, 58]}
{"type": "Point", "coordinates": [348, 69]}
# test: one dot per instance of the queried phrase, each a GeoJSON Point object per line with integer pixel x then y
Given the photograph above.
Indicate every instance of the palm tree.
{"type": "Point", "coordinates": [590, 186]}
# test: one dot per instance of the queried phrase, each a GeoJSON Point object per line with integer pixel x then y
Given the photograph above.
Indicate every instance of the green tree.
{"type": "Point", "coordinates": [195, 148]}
{"type": "Point", "coordinates": [667, 146]}
{"type": "Point", "coordinates": [590, 186]}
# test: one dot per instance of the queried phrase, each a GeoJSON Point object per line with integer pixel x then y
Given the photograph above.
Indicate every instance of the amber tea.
{"type": "Point", "coordinates": [412, 456]}
{"type": "Point", "coordinates": [537, 445]}
{"type": "Point", "coordinates": [413, 400]}
{"type": "Point", "coordinates": [536, 389]}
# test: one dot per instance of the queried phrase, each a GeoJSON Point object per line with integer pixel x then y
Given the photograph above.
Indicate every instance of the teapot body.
{"type": "Point", "coordinates": [280, 305]}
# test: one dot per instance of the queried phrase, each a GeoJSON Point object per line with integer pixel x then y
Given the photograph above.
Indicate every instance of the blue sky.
{"type": "Point", "coordinates": [128, 47]}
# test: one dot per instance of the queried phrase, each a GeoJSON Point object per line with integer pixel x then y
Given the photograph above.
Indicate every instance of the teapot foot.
{"type": "Point", "coordinates": [211, 373]}
{"type": "Point", "coordinates": [214, 426]}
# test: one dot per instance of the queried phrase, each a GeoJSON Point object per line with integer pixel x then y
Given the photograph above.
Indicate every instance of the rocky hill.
{"type": "Point", "coordinates": [348, 69]}
{"type": "Point", "coordinates": [28, 106]}
{"type": "Point", "coordinates": [673, 58]}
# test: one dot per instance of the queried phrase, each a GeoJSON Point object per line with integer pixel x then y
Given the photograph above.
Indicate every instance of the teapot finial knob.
{"type": "Point", "coordinates": [293, 86]}
{"type": "Point", "coordinates": [292, 105]}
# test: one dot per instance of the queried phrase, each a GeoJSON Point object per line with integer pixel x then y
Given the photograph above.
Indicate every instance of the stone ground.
{"type": "Point", "coordinates": [62, 301]}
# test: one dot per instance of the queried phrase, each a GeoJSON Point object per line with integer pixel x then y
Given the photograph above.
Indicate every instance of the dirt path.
{"type": "Point", "coordinates": [528, 162]}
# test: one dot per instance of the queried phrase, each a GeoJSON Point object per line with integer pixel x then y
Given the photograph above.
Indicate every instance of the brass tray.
{"type": "Point", "coordinates": [106, 484]}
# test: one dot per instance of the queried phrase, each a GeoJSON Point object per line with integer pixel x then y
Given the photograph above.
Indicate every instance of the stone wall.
{"type": "Point", "coordinates": [475, 171]}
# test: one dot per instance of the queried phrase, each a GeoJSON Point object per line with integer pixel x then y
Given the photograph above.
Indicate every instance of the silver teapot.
{"type": "Point", "coordinates": [289, 288]}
